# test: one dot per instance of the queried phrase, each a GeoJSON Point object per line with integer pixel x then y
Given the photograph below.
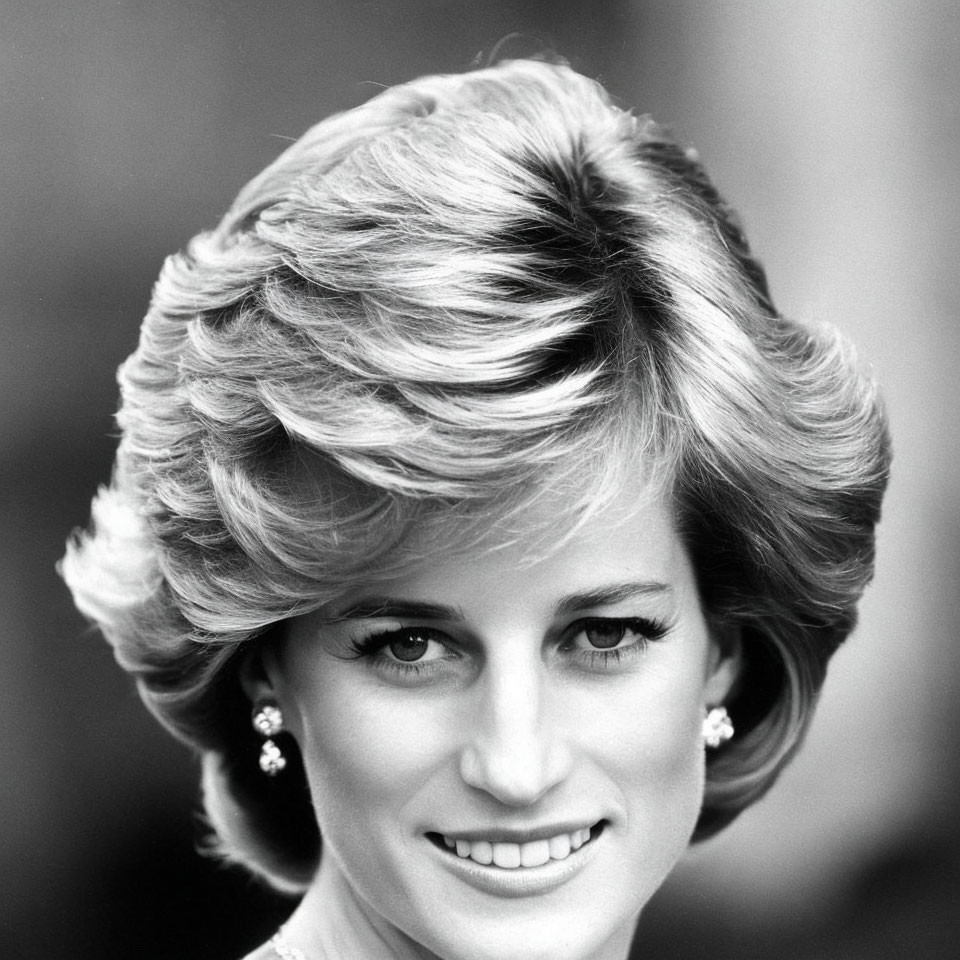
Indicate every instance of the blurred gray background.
{"type": "Point", "coordinates": [128, 125]}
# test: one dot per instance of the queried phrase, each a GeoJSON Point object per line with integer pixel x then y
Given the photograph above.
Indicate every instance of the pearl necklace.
{"type": "Point", "coordinates": [283, 949]}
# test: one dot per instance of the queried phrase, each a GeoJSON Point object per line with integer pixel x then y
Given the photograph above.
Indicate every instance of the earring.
{"type": "Point", "coordinates": [268, 722]}
{"type": "Point", "coordinates": [717, 727]}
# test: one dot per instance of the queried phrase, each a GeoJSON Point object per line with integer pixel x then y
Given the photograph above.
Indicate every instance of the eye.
{"type": "Point", "coordinates": [608, 633]}
{"type": "Point", "coordinates": [411, 645]}
{"type": "Point", "coordinates": [604, 634]}
{"type": "Point", "coordinates": [406, 653]}
{"type": "Point", "coordinates": [605, 642]}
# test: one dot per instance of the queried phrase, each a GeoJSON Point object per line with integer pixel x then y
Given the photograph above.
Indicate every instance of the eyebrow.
{"type": "Point", "coordinates": [373, 607]}
{"type": "Point", "coordinates": [608, 595]}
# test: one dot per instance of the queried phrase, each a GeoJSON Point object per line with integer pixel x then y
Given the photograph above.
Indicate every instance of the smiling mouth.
{"type": "Point", "coordinates": [511, 856]}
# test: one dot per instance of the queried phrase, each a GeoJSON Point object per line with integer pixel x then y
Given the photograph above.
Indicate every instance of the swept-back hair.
{"type": "Point", "coordinates": [428, 312]}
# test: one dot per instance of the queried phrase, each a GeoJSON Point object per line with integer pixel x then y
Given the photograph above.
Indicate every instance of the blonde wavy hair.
{"type": "Point", "coordinates": [426, 313]}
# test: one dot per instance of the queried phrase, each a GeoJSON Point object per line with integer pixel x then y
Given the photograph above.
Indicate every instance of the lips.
{"type": "Point", "coordinates": [511, 855]}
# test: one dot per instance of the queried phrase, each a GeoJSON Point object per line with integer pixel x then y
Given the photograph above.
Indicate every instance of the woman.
{"type": "Point", "coordinates": [470, 459]}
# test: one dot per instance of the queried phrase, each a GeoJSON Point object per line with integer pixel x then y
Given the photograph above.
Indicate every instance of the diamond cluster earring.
{"type": "Point", "coordinates": [268, 722]}
{"type": "Point", "coordinates": [717, 727]}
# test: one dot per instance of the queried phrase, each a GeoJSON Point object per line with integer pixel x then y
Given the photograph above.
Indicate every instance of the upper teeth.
{"type": "Point", "coordinates": [512, 855]}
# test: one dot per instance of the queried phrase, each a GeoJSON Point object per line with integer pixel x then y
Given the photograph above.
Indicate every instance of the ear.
{"type": "Point", "coordinates": [258, 671]}
{"type": "Point", "coordinates": [726, 663]}
{"type": "Point", "coordinates": [261, 677]}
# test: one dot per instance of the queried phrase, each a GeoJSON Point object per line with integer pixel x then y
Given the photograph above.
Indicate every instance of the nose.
{"type": "Point", "coordinates": [515, 750]}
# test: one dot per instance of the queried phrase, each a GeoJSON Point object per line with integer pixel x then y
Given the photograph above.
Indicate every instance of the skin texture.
{"type": "Point", "coordinates": [515, 723]}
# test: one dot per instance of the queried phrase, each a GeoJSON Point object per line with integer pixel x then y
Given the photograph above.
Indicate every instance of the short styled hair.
{"type": "Point", "coordinates": [428, 312]}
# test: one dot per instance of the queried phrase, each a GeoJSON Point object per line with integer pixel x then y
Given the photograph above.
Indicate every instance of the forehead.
{"type": "Point", "coordinates": [629, 537]}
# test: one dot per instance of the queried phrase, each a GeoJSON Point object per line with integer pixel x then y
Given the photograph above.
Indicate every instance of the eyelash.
{"type": "Point", "coordinates": [647, 630]}
{"type": "Point", "coordinates": [371, 647]}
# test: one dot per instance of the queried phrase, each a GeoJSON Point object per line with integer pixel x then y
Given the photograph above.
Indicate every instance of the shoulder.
{"type": "Point", "coordinates": [264, 952]}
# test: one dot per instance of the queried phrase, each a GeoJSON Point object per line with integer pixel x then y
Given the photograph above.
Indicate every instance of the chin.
{"type": "Point", "coordinates": [540, 940]}
{"type": "Point", "coordinates": [547, 928]}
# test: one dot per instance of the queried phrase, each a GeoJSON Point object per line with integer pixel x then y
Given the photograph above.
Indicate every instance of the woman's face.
{"type": "Point", "coordinates": [504, 749]}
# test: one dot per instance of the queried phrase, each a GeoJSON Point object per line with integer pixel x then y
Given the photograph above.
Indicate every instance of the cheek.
{"type": "Point", "coordinates": [667, 767]}
{"type": "Point", "coordinates": [656, 761]}
{"type": "Point", "coordinates": [363, 751]}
